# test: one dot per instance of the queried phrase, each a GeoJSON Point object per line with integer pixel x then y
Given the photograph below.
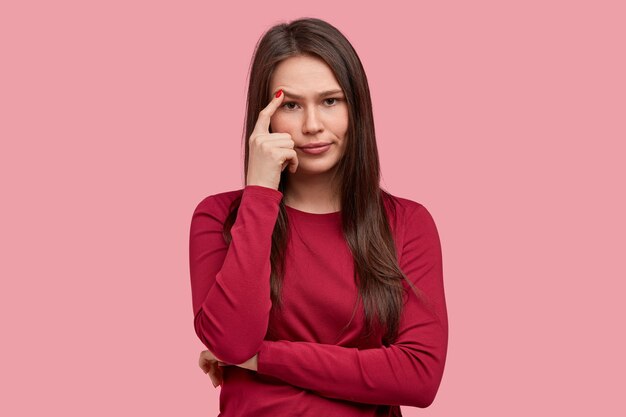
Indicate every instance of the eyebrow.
{"type": "Point", "coordinates": [322, 94]}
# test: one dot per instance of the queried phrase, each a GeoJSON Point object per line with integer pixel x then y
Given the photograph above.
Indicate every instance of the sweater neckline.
{"type": "Point", "coordinates": [320, 217]}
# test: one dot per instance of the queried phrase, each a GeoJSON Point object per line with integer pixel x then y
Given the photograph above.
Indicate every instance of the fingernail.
{"type": "Point", "coordinates": [279, 93]}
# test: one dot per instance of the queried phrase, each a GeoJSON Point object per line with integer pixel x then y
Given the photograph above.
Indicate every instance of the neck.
{"type": "Point", "coordinates": [313, 193]}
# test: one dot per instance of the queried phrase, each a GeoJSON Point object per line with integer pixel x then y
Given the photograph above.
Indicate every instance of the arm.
{"type": "Point", "coordinates": [230, 283]}
{"type": "Point", "coordinates": [407, 372]}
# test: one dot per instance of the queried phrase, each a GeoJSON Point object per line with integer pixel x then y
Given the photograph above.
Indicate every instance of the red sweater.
{"type": "Point", "coordinates": [311, 367]}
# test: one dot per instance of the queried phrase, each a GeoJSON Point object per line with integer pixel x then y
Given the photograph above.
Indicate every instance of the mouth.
{"type": "Point", "coordinates": [315, 145]}
{"type": "Point", "coordinates": [316, 150]}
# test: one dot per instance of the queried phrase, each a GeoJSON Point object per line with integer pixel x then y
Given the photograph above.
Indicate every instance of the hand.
{"type": "Point", "coordinates": [209, 363]}
{"type": "Point", "coordinates": [269, 153]}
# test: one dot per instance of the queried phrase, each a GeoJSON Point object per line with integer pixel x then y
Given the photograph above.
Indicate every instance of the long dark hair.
{"type": "Point", "coordinates": [365, 224]}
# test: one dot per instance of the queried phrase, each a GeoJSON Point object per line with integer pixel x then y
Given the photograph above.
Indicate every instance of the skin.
{"type": "Point", "coordinates": [311, 117]}
{"type": "Point", "coordinates": [212, 366]}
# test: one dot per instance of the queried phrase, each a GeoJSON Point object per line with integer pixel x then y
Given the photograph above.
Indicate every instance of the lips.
{"type": "Point", "coordinates": [315, 145]}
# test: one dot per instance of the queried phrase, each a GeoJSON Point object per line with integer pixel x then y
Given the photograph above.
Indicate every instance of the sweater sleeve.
{"type": "Point", "coordinates": [230, 283]}
{"type": "Point", "coordinates": [409, 371]}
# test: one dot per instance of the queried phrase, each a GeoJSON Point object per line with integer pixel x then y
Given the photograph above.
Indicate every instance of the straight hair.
{"type": "Point", "coordinates": [364, 220]}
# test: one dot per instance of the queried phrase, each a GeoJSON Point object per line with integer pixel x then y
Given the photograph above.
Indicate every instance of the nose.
{"type": "Point", "coordinates": [312, 122]}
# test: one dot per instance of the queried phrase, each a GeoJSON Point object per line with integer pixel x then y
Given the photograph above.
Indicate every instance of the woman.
{"type": "Point", "coordinates": [315, 291]}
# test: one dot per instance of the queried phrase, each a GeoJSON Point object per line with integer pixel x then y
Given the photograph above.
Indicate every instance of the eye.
{"type": "Point", "coordinates": [288, 103]}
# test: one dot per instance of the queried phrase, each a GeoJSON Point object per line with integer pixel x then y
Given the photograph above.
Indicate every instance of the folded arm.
{"type": "Point", "coordinates": [409, 371]}
{"type": "Point", "coordinates": [231, 283]}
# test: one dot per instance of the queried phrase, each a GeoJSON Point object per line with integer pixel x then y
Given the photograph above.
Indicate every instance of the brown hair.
{"type": "Point", "coordinates": [365, 224]}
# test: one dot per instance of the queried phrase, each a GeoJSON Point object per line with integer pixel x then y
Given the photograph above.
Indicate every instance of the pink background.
{"type": "Point", "coordinates": [505, 119]}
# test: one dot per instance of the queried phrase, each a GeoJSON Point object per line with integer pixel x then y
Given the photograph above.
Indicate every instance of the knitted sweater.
{"type": "Point", "coordinates": [315, 360]}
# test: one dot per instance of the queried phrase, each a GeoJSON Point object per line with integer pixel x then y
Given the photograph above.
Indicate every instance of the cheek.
{"type": "Point", "coordinates": [341, 123]}
{"type": "Point", "coordinates": [281, 123]}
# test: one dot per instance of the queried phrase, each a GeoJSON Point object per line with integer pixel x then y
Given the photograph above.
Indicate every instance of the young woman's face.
{"type": "Point", "coordinates": [314, 109]}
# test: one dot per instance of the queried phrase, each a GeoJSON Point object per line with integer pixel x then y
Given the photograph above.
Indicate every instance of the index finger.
{"type": "Point", "coordinates": [263, 122]}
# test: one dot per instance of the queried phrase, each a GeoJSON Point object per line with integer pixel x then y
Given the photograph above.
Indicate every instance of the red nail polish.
{"type": "Point", "coordinates": [279, 93]}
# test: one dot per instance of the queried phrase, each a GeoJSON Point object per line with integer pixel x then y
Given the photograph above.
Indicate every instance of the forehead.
{"type": "Point", "coordinates": [304, 75]}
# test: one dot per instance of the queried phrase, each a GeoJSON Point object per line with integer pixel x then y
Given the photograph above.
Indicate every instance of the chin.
{"type": "Point", "coordinates": [315, 168]}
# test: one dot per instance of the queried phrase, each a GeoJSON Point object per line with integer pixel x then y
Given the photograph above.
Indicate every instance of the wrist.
{"type": "Point", "coordinates": [251, 363]}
